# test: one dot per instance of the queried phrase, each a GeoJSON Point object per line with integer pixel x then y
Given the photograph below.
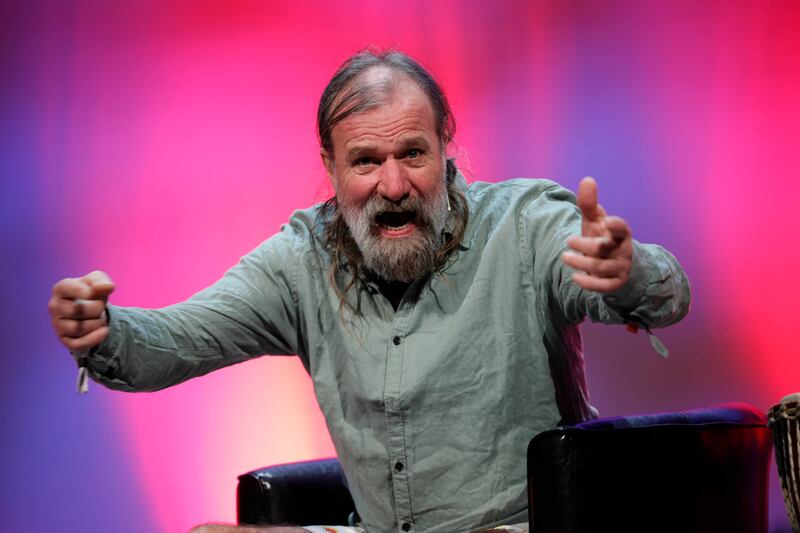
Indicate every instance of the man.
{"type": "Point", "coordinates": [438, 321]}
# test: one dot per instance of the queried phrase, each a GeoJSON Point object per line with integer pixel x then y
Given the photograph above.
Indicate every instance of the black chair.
{"type": "Point", "coordinates": [704, 471]}
{"type": "Point", "coordinates": [307, 493]}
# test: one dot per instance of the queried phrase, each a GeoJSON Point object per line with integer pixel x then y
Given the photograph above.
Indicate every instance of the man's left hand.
{"type": "Point", "coordinates": [603, 254]}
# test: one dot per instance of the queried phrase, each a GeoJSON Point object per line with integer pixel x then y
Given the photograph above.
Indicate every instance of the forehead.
{"type": "Point", "coordinates": [406, 111]}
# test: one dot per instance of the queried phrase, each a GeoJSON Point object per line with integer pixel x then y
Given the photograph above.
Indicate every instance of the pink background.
{"type": "Point", "coordinates": [160, 141]}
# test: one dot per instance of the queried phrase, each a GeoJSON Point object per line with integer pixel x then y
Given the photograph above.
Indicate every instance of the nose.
{"type": "Point", "coordinates": [394, 184]}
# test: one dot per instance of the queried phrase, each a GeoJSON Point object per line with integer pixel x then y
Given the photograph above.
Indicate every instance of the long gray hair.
{"type": "Point", "coordinates": [348, 94]}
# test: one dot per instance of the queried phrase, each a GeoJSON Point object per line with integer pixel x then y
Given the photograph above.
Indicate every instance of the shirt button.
{"type": "Point", "coordinates": [406, 526]}
{"type": "Point", "coordinates": [398, 466]}
{"type": "Point", "coordinates": [396, 340]}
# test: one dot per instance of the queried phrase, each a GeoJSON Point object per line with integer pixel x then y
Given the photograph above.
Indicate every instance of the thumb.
{"type": "Point", "coordinates": [587, 199]}
{"type": "Point", "coordinates": [100, 284]}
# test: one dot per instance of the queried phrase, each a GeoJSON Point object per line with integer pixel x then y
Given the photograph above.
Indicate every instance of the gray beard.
{"type": "Point", "coordinates": [403, 259]}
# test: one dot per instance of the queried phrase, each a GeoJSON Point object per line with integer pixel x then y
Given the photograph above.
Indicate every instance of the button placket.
{"type": "Point", "coordinates": [395, 418]}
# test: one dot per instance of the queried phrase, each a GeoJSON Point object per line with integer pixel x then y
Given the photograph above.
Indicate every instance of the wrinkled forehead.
{"type": "Point", "coordinates": [376, 87]}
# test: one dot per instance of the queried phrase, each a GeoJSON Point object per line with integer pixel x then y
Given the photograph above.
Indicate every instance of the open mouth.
{"type": "Point", "coordinates": [394, 220]}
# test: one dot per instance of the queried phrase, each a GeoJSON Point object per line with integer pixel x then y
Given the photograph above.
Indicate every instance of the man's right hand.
{"type": "Point", "coordinates": [78, 310]}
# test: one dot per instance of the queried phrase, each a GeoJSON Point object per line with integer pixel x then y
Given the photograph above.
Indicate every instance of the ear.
{"type": "Point", "coordinates": [330, 168]}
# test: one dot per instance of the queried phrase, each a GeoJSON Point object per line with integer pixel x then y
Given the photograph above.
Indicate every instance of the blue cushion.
{"type": "Point", "coordinates": [726, 413]}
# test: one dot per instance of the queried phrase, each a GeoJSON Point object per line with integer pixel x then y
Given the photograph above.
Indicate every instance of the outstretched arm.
{"type": "Point", "coordinates": [249, 312]}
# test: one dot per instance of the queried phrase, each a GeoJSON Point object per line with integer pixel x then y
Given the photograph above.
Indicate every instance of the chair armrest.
{"type": "Point", "coordinates": [305, 493]}
{"type": "Point", "coordinates": [734, 413]}
{"type": "Point", "coordinates": [696, 471]}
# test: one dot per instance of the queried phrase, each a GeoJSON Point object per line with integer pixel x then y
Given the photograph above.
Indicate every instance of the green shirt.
{"type": "Point", "coordinates": [430, 407]}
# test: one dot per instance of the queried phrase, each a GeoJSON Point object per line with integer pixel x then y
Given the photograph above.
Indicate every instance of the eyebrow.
{"type": "Point", "coordinates": [414, 141]}
{"type": "Point", "coordinates": [404, 144]}
{"type": "Point", "coordinates": [361, 149]}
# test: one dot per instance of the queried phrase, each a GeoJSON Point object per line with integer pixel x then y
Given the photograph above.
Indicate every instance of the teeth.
{"type": "Point", "coordinates": [394, 227]}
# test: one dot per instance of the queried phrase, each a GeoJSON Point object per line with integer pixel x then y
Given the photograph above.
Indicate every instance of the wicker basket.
{"type": "Point", "coordinates": [784, 419]}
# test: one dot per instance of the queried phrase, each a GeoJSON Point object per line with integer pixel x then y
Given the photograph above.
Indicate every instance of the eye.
{"type": "Point", "coordinates": [414, 153]}
{"type": "Point", "coordinates": [365, 162]}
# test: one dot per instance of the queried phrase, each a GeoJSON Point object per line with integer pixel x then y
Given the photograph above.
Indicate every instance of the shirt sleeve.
{"type": "Point", "coordinates": [656, 295]}
{"type": "Point", "coordinates": [251, 311]}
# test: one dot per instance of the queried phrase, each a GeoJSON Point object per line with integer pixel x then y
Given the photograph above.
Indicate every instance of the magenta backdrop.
{"type": "Point", "coordinates": [159, 141]}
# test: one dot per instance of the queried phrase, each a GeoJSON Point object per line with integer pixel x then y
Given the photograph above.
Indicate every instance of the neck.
{"type": "Point", "coordinates": [393, 291]}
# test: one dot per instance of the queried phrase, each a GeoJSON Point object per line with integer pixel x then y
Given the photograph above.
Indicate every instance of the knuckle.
{"type": "Point", "coordinates": [59, 285]}
{"type": "Point", "coordinates": [97, 275]}
{"type": "Point", "coordinates": [95, 309]}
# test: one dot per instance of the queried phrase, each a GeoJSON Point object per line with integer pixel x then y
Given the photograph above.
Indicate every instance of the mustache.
{"type": "Point", "coordinates": [413, 205]}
